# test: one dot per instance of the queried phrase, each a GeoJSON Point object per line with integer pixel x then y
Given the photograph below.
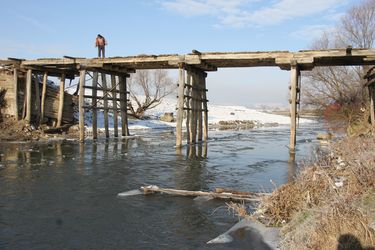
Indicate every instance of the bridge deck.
{"type": "Point", "coordinates": [208, 61]}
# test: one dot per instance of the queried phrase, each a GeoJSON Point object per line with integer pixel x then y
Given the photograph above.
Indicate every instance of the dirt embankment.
{"type": "Point", "coordinates": [11, 130]}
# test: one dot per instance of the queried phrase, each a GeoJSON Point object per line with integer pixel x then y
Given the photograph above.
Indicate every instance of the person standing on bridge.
{"type": "Point", "coordinates": [100, 43]}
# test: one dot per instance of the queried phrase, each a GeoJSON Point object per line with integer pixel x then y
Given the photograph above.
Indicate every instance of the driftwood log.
{"type": "Point", "coordinates": [219, 193]}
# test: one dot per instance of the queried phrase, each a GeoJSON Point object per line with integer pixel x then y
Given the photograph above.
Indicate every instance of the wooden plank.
{"type": "Point", "coordinates": [44, 91]}
{"type": "Point", "coordinates": [61, 100]}
{"type": "Point", "coordinates": [114, 105]}
{"type": "Point", "coordinates": [293, 106]}
{"type": "Point", "coordinates": [105, 98]}
{"type": "Point", "coordinates": [82, 80]}
{"type": "Point", "coordinates": [28, 96]}
{"type": "Point", "coordinates": [180, 106]}
{"type": "Point", "coordinates": [219, 193]}
{"type": "Point", "coordinates": [123, 106]}
{"type": "Point", "coordinates": [94, 104]}
{"type": "Point", "coordinates": [15, 93]}
{"type": "Point", "coordinates": [194, 117]}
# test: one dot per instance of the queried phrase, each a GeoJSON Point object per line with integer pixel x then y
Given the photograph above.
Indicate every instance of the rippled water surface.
{"type": "Point", "coordinates": [62, 195]}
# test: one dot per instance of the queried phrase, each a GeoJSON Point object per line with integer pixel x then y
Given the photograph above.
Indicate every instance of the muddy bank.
{"type": "Point", "coordinates": [11, 130]}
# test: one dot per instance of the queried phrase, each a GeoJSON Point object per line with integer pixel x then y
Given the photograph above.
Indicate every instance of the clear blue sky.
{"type": "Point", "coordinates": [38, 29]}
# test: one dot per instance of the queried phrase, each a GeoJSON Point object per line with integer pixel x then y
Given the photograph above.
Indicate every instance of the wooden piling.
{"type": "Point", "coordinates": [124, 106]}
{"type": "Point", "coordinates": [194, 119]}
{"type": "Point", "coordinates": [28, 96]}
{"type": "Point", "coordinates": [188, 105]}
{"type": "Point", "coordinates": [180, 106]}
{"type": "Point", "coordinates": [205, 109]}
{"type": "Point", "coordinates": [15, 91]}
{"type": "Point", "coordinates": [105, 104]}
{"type": "Point", "coordinates": [114, 105]}
{"type": "Point", "coordinates": [199, 106]}
{"type": "Point", "coordinates": [82, 80]}
{"type": "Point", "coordinates": [61, 100]}
{"type": "Point", "coordinates": [293, 105]}
{"type": "Point", "coordinates": [37, 99]}
{"type": "Point", "coordinates": [43, 101]}
{"type": "Point", "coordinates": [94, 105]}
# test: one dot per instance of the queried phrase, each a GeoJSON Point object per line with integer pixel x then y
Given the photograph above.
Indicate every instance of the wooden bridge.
{"type": "Point", "coordinates": [193, 68]}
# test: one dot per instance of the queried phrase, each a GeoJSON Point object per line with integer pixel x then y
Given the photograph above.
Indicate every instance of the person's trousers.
{"type": "Point", "coordinates": [101, 51]}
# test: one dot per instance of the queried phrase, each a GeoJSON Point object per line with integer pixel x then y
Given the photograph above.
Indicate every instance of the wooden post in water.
{"type": "Point", "coordinates": [205, 109]}
{"type": "Point", "coordinates": [188, 105]}
{"type": "Point", "coordinates": [43, 101]}
{"type": "Point", "coordinates": [37, 99]}
{"type": "Point", "coordinates": [94, 101]}
{"type": "Point", "coordinates": [180, 105]}
{"type": "Point", "coordinates": [15, 89]}
{"type": "Point", "coordinates": [28, 96]}
{"type": "Point", "coordinates": [61, 100]}
{"type": "Point", "coordinates": [82, 80]}
{"type": "Point", "coordinates": [293, 105]}
{"type": "Point", "coordinates": [199, 105]}
{"type": "Point", "coordinates": [114, 105]}
{"type": "Point", "coordinates": [105, 104]}
{"type": "Point", "coordinates": [124, 105]}
{"type": "Point", "coordinates": [194, 117]}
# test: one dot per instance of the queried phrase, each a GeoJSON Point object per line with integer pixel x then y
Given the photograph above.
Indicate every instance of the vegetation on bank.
{"type": "Point", "coordinates": [330, 204]}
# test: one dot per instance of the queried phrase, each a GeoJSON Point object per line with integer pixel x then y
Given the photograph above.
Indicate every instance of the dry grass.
{"type": "Point", "coordinates": [329, 199]}
{"type": "Point", "coordinates": [330, 205]}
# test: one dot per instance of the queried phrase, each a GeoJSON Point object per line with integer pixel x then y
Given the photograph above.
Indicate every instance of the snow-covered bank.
{"type": "Point", "coordinates": [216, 114]}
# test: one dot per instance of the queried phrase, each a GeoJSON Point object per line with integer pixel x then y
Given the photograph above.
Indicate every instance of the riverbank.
{"type": "Point", "coordinates": [330, 204]}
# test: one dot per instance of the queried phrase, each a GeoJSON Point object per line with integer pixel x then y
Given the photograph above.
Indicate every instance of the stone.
{"type": "Point", "coordinates": [167, 117]}
{"type": "Point", "coordinates": [322, 136]}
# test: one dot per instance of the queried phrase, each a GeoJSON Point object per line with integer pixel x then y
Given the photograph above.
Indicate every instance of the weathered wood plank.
{"type": "Point", "coordinates": [180, 106]}
{"type": "Point", "coordinates": [124, 106]}
{"type": "Point", "coordinates": [293, 105]}
{"type": "Point", "coordinates": [114, 105]}
{"type": "Point", "coordinates": [15, 93]}
{"type": "Point", "coordinates": [61, 100]}
{"type": "Point", "coordinates": [105, 104]}
{"type": "Point", "coordinates": [28, 96]}
{"type": "Point", "coordinates": [43, 101]}
{"type": "Point", "coordinates": [94, 104]}
{"type": "Point", "coordinates": [82, 82]}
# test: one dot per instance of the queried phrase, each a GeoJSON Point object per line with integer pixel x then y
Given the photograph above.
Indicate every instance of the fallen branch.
{"type": "Point", "coordinates": [217, 194]}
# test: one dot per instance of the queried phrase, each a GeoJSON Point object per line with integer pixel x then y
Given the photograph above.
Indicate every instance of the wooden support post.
{"type": "Point", "coordinates": [94, 100]}
{"type": "Point", "coordinates": [82, 80]}
{"type": "Point", "coordinates": [15, 89]}
{"type": "Point", "coordinates": [114, 105]}
{"type": "Point", "coordinates": [188, 106]}
{"type": "Point", "coordinates": [195, 106]}
{"type": "Point", "coordinates": [37, 99]}
{"type": "Point", "coordinates": [193, 129]}
{"type": "Point", "coordinates": [293, 105]}
{"type": "Point", "coordinates": [372, 104]}
{"type": "Point", "coordinates": [124, 106]}
{"type": "Point", "coordinates": [180, 106]}
{"type": "Point", "coordinates": [61, 100]}
{"type": "Point", "coordinates": [199, 105]}
{"type": "Point", "coordinates": [44, 92]}
{"type": "Point", "coordinates": [28, 96]}
{"type": "Point", "coordinates": [205, 110]}
{"type": "Point", "coordinates": [105, 104]}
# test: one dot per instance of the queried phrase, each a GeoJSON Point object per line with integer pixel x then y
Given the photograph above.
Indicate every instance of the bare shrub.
{"type": "Point", "coordinates": [147, 89]}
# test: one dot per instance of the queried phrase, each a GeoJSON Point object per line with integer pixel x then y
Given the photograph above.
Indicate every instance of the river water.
{"type": "Point", "coordinates": [62, 195]}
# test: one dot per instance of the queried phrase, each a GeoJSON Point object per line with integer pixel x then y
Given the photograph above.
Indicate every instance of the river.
{"type": "Point", "coordinates": [62, 194]}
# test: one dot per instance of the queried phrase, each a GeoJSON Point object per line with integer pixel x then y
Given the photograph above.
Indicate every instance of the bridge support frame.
{"type": "Point", "coordinates": [192, 103]}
